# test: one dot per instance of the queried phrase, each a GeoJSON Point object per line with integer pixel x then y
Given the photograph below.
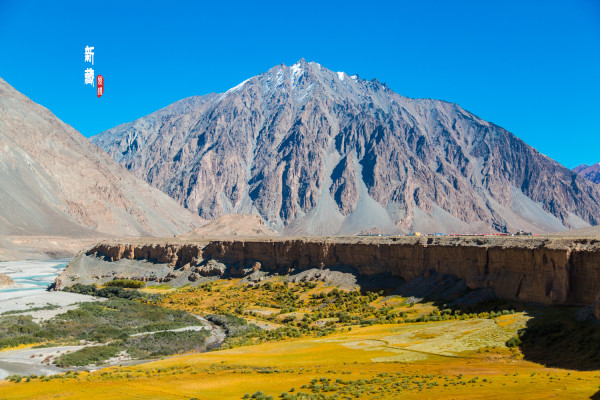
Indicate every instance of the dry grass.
{"type": "Point", "coordinates": [360, 354]}
{"type": "Point", "coordinates": [447, 359]}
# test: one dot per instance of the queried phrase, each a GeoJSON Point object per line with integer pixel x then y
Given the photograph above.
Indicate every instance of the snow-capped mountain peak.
{"type": "Point", "coordinates": [312, 151]}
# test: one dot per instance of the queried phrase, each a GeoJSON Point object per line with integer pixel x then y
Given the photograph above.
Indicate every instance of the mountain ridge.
{"type": "Point", "coordinates": [321, 152]}
{"type": "Point", "coordinates": [53, 181]}
{"type": "Point", "coordinates": [590, 172]}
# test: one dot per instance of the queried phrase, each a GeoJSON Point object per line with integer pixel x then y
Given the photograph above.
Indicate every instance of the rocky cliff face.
{"type": "Point", "coordinates": [590, 172]}
{"type": "Point", "coordinates": [546, 271]}
{"type": "Point", "coordinates": [53, 181]}
{"type": "Point", "coordinates": [315, 151]}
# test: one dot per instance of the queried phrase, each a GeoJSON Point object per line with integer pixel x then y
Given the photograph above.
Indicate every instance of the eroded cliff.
{"type": "Point", "coordinates": [541, 270]}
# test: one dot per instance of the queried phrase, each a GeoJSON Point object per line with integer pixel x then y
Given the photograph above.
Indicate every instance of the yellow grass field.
{"type": "Point", "coordinates": [347, 346]}
{"type": "Point", "coordinates": [381, 362]}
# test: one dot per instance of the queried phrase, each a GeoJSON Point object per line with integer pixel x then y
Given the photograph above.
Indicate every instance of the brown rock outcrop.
{"type": "Point", "coordinates": [540, 270]}
{"type": "Point", "coordinates": [5, 281]}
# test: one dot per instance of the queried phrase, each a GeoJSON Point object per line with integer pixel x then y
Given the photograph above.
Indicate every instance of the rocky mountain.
{"type": "Point", "coordinates": [313, 151]}
{"type": "Point", "coordinates": [53, 181]}
{"type": "Point", "coordinates": [591, 172]}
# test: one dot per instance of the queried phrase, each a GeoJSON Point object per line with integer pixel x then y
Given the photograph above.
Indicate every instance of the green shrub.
{"type": "Point", "coordinates": [110, 292]}
{"type": "Point", "coordinates": [167, 343]}
{"type": "Point", "coordinates": [89, 355]}
{"type": "Point", "coordinates": [126, 283]}
{"type": "Point", "coordinates": [513, 342]}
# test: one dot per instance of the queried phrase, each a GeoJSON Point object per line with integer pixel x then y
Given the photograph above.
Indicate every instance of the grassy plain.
{"type": "Point", "coordinates": [331, 344]}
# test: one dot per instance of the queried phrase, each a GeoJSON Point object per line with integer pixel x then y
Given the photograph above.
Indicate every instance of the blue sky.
{"type": "Point", "coordinates": [532, 67]}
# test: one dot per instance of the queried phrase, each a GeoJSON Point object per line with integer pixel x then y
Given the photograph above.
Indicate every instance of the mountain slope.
{"type": "Point", "coordinates": [320, 152]}
{"type": "Point", "coordinates": [53, 181]}
{"type": "Point", "coordinates": [590, 172]}
{"type": "Point", "coordinates": [231, 225]}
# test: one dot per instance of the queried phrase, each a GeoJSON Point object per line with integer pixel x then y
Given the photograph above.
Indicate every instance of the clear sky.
{"type": "Point", "coordinates": [532, 67]}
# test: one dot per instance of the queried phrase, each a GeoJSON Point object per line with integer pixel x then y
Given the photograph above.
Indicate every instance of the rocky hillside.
{"type": "Point", "coordinates": [53, 181]}
{"type": "Point", "coordinates": [321, 152]}
{"type": "Point", "coordinates": [591, 172]}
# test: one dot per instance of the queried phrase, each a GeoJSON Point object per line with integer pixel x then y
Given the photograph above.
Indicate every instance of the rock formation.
{"type": "Point", "coordinates": [540, 270]}
{"type": "Point", "coordinates": [5, 281]}
{"type": "Point", "coordinates": [313, 151]}
{"type": "Point", "coordinates": [53, 181]}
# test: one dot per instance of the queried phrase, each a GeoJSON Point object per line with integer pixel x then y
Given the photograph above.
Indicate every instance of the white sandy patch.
{"type": "Point", "coordinates": [32, 361]}
{"type": "Point", "coordinates": [186, 328]}
{"type": "Point", "coordinates": [62, 299]}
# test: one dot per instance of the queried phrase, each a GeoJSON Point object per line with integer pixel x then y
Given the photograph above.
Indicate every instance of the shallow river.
{"type": "Point", "coordinates": [31, 277]}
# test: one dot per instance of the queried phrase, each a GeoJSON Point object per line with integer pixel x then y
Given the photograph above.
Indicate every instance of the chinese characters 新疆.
{"type": "Point", "coordinates": [89, 72]}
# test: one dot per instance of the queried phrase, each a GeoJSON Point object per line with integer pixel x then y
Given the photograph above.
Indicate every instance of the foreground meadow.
{"type": "Point", "coordinates": [319, 342]}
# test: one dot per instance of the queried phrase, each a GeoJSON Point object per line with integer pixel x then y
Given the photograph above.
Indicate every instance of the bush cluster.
{"type": "Point", "coordinates": [126, 283]}
{"type": "Point", "coordinates": [110, 292]}
{"type": "Point", "coordinates": [113, 319]}
{"type": "Point", "coordinates": [138, 347]}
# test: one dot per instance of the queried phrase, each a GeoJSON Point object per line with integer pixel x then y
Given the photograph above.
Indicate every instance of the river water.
{"type": "Point", "coordinates": [31, 277]}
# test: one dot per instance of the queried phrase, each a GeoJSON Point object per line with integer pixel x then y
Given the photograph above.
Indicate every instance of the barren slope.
{"type": "Point", "coordinates": [231, 225]}
{"type": "Point", "coordinates": [53, 181]}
